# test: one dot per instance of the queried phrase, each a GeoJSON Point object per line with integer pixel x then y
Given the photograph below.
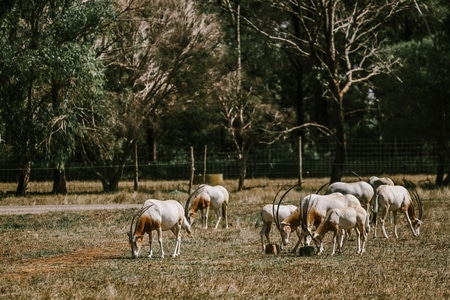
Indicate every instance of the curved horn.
{"type": "Point", "coordinates": [356, 174]}
{"type": "Point", "coordinates": [275, 216]}
{"type": "Point", "coordinates": [304, 215]}
{"type": "Point", "coordinates": [138, 215]}
{"type": "Point", "coordinates": [324, 185]}
{"type": "Point", "coordinates": [412, 188]}
{"type": "Point", "coordinates": [194, 193]}
{"type": "Point", "coordinates": [281, 199]}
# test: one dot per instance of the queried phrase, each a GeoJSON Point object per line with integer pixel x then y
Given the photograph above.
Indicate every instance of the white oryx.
{"type": "Point", "coordinates": [360, 189]}
{"type": "Point", "coordinates": [319, 205]}
{"type": "Point", "coordinates": [160, 216]}
{"type": "Point", "coordinates": [267, 215]}
{"type": "Point", "coordinates": [204, 197]}
{"type": "Point", "coordinates": [293, 222]}
{"type": "Point", "coordinates": [395, 198]}
{"type": "Point", "coordinates": [340, 219]}
{"type": "Point", "coordinates": [375, 182]}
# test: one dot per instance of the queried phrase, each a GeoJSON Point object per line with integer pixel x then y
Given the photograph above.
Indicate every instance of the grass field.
{"type": "Point", "coordinates": [85, 255]}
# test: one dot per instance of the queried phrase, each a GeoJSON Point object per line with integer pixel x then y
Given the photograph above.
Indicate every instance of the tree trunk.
{"type": "Point", "coordinates": [24, 178]}
{"type": "Point", "coordinates": [59, 182]}
{"type": "Point", "coordinates": [110, 186]}
{"type": "Point", "coordinates": [341, 144]}
{"type": "Point", "coordinates": [136, 168]}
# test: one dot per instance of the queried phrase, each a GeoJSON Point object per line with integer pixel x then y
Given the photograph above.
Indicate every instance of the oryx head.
{"type": "Point", "coordinates": [285, 231]}
{"type": "Point", "coordinates": [191, 217]}
{"type": "Point", "coordinates": [416, 225]}
{"type": "Point", "coordinates": [190, 212]}
{"type": "Point", "coordinates": [317, 239]}
{"type": "Point", "coordinates": [284, 228]}
{"type": "Point", "coordinates": [135, 240]}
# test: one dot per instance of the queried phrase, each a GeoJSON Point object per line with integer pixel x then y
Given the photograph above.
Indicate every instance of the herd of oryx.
{"type": "Point", "coordinates": [343, 207]}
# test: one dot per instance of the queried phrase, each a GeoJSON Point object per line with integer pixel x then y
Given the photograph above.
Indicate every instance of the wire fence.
{"type": "Point", "coordinates": [276, 161]}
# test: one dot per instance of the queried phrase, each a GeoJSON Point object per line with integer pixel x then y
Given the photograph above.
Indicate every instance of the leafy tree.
{"type": "Point", "coordinates": [414, 102]}
{"type": "Point", "coordinates": [342, 40]}
{"type": "Point", "coordinates": [52, 81]}
{"type": "Point", "coordinates": [154, 50]}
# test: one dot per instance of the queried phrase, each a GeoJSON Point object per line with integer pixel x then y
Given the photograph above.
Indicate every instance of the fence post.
{"type": "Point", "coordinates": [136, 168]}
{"type": "Point", "coordinates": [300, 167]}
{"type": "Point", "coordinates": [204, 164]}
{"type": "Point", "coordinates": [191, 181]}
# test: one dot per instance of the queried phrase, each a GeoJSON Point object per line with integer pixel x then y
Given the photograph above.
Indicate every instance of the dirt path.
{"type": "Point", "coordinates": [38, 209]}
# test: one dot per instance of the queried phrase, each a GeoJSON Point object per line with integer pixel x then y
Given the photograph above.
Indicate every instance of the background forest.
{"type": "Point", "coordinates": [101, 83]}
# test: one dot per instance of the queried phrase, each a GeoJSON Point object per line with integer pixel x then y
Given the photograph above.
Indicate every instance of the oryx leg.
{"type": "Point", "coordinates": [225, 213]}
{"type": "Point", "coordinates": [299, 235]}
{"type": "Point", "coordinates": [394, 214]}
{"type": "Point", "coordinates": [265, 231]}
{"type": "Point", "coordinates": [364, 240]}
{"type": "Point", "coordinates": [405, 211]}
{"type": "Point", "coordinates": [358, 245]}
{"type": "Point", "coordinates": [335, 237]}
{"type": "Point", "coordinates": [375, 223]}
{"type": "Point", "coordinates": [342, 239]}
{"type": "Point", "coordinates": [150, 252]}
{"type": "Point", "coordinates": [205, 217]}
{"type": "Point", "coordinates": [218, 217]}
{"type": "Point", "coordinates": [160, 241]}
{"type": "Point", "coordinates": [177, 232]}
{"type": "Point", "coordinates": [384, 216]}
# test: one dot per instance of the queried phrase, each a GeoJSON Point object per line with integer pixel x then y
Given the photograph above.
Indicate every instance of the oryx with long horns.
{"type": "Point", "coordinates": [397, 199]}
{"type": "Point", "coordinates": [160, 216]}
{"type": "Point", "coordinates": [204, 198]}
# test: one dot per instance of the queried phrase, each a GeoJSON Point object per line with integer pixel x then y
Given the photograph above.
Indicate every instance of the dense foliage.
{"type": "Point", "coordinates": [102, 83]}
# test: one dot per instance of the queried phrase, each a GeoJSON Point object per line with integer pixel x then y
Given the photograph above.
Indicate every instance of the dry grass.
{"type": "Point", "coordinates": [86, 255]}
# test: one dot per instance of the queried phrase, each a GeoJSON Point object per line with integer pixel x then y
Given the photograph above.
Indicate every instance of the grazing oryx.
{"type": "Point", "coordinates": [319, 205]}
{"type": "Point", "coordinates": [395, 198]}
{"type": "Point", "coordinates": [267, 213]}
{"type": "Point", "coordinates": [160, 216]}
{"type": "Point", "coordinates": [375, 182]}
{"type": "Point", "coordinates": [360, 189]}
{"type": "Point", "coordinates": [293, 222]}
{"type": "Point", "coordinates": [339, 220]}
{"type": "Point", "coordinates": [207, 196]}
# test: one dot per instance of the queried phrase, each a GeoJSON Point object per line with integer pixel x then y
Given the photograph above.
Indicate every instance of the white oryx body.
{"type": "Point", "coordinates": [160, 216]}
{"type": "Point", "coordinates": [340, 219]}
{"type": "Point", "coordinates": [207, 197]}
{"type": "Point", "coordinates": [267, 215]}
{"type": "Point", "coordinates": [375, 182]}
{"type": "Point", "coordinates": [319, 205]}
{"type": "Point", "coordinates": [395, 198]}
{"type": "Point", "coordinates": [360, 189]}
